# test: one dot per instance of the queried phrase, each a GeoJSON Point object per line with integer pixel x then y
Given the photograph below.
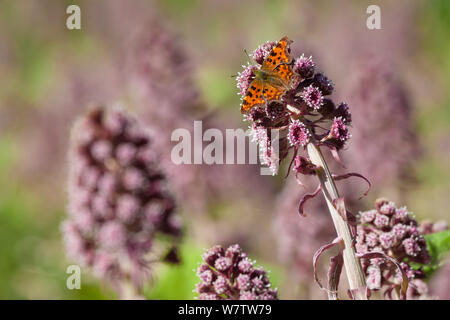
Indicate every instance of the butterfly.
{"type": "Point", "coordinates": [273, 79]}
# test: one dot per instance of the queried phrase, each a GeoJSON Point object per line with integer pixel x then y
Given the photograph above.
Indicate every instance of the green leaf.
{"type": "Point", "coordinates": [438, 245]}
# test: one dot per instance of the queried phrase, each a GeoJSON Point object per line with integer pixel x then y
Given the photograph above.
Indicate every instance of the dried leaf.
{"type": "Point", "coordinates": [354, 174]}
{"type": "Point", "coordinates": [316, 259]}
{"type": "Point", "coordinates": [334, 274]}
{"type": "Point", "coordinates": [305, 198]}
{"type": "Point", "coordinates": [291, 163]}
{"type": "Point", "coordinates": [336, 157]}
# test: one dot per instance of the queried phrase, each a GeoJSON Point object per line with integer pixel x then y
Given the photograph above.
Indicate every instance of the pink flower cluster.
{"type": "Point", "coordinates": [229, 274]}
{"type": "Point", "coordinates": [117, 197]}
{"type": "Point", "coordinates": [395, 232]}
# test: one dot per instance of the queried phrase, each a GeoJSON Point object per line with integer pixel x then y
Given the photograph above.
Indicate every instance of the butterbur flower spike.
{"type": "Point", "coordinates": [298, 109]}
{"type": "Point", "coordinates": [117, 199]}
{"type": "Point", "coordinates": [230, 275]}
{"type": "Point", "coordinates": [310, 120]}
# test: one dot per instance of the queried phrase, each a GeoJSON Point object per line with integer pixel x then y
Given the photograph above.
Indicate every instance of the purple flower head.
{"type": "Point", "coordinates": [206, 276]}
{"type": "Point", "coordinates": [243, 282]}
{"type": "Point", "coordinates": [411, 247]}
{"type": "Point", "coordinates": [109, 187]}
{"type": "Point", "coordinates": [339, 131]}
{"type": "Point", "coordinates": [399, 239]}
{"type": "Point", "coordinates": [304, 66]}
{"type": "Point", "coordinates": [343, 111]}
{"type": "Point", "coordinates": [244, 78]}
{"type": "Point", "coordinates": [245, 265]}
{"type": "Point", "coordinates": [328, 109]}
{"type": "Point", "coordinates": [372, 239]}
{"type": "Point", "coordinates": [111, 235]}
{"type": "Point", "coordinates": [275, 110]}
{"type": "Point", "coordinates": [221, 285]}
{"type": "Point", "coordinates": [222, 264]}
{"type": "Point", "coordinates": [101, 150]}
{"type": "Point", "coordinates": [313, 97]}
{"type": "Point", "coordinates": [386, 207]}
{"type": "Point", "coordinates": [230, 275]}
{"type": "Point", "coordinates": [125, 153]}
{"type": "Point", "coordinates": [299, 135]}
{"type": "Point", "coordinates": [257, 115]}
{"type": "Point", "coordinates": [387, 240]}
{"type": "Point", "coordinates": [261, 53]}
{"type": "Point", "coordinates": [210, 256]}
{"type": "Point", "coordinates": [381, 221]}
{"type": "Point", "coordinates": [323, 83]}
{"type": "Point", "coordinates": [368, 216]}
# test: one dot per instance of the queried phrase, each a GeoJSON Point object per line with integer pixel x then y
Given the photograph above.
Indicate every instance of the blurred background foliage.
{"type": "Point", "coordinates": [49, 75]}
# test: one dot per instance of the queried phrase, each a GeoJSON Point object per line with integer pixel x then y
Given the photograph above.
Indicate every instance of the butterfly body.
{"type": "Point", "coordinates": [269, 77]}
{"type": "Point", "coordinates": [273, 79]}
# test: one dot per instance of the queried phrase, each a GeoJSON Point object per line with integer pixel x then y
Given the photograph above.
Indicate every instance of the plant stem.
{"type": "Point", "coordinates": [352, 266]}
{"type": "Point", "coordinates": [128, 291]}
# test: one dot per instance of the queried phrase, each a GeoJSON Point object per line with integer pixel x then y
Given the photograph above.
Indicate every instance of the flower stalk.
{"type": "Point", "coordinates": [355, 275]}
{"type": "Point", "coordinates": [128, 291]}
{"type": "Point", "coordinates": [352, 266]}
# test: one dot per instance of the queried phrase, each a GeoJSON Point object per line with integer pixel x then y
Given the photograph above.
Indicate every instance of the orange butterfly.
{"type": "Point", "coordinates": [273, 79]}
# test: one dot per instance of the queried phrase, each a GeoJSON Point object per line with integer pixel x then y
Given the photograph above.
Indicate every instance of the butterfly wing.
{"type": "Point", "coordinates": [253, 97]}
{"type": "Point", "coordinates": [278, 62]}
{"type": "Point", "coordinates": [259, 93]}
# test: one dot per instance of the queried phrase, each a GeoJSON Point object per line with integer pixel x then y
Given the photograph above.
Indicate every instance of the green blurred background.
{"type": "Point", "coordinates": [47, 72]}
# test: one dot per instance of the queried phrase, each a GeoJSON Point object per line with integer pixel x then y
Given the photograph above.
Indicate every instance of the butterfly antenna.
{"type": "Point", "coordinates": [248, 57]}
{"type": "Point", "coordinates": [248, 60]}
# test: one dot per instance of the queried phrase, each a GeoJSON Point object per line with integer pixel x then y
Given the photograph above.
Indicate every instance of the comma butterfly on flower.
{"type": "Point", "coordinates": [273, 79]}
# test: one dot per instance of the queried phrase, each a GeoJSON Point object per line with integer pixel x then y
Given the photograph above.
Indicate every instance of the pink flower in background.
{"type": "Point", "coordinates": [382, 124]}
{"type": "Point", "coordinates": [230, 275]}
{"type": "Point", "coordinates": [160, 75]}
{"type": "Point", "coordinates": [117, 198]}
